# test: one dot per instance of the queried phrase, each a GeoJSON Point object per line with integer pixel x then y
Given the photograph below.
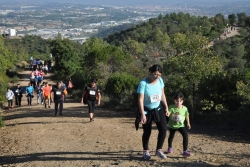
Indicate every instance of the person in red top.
{"type": "Point", "coordinates": [41, 73]}
{"type": "Point", "coordinates": [36, 72]}
{"type": "Point", "coordinates": [46, 94]}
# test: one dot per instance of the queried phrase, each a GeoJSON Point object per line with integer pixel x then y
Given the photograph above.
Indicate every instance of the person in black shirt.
{"type": "Point", "coordinates": [18, 95]}
{"type": "Point", "coordinates": [92, 95]}
{"type": "Point", "coordinates": [57, 92]}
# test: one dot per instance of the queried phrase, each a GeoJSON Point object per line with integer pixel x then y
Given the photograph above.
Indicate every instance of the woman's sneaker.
{"type": "Point", "coordinates": [159, 153]}
{"type": "Point", "coordinates": [146, 155]}
{"type": "Point", "coordinates": [170, 150]}
{"type": "Point", "coordinates": [186, 153]}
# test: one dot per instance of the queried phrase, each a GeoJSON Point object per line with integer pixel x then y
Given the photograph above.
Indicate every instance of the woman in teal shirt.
{"type": "Point", "coordinates": [151, 95]}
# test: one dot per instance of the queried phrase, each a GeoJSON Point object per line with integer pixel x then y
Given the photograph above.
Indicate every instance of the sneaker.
{"type": "Point", "coordinates": [170, 150]}
{"type": "Point", "coordinates": [186, 153]}
{"type": "Point", "coordinates": [146, 155]}
{"type": "Point", "coordinates": [159, 153]}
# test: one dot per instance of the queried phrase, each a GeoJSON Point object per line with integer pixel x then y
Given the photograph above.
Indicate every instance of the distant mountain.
{"type": "Point", "coordinates": [125, 2]}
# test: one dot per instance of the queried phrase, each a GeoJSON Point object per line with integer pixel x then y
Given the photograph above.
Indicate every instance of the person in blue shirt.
{"type": "Point", "coordinates": [153, 106]}
{"type": "Point", "coordinates": [29, 93]}
{"type": "Point", "coordinates": [39, 79]}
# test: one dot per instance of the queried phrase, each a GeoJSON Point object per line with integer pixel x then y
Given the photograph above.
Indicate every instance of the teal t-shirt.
{"type": "Point", "coordinates": [177, 116]}
{"type": "Point", "coordinates": [152, 93]}
{"type": "Point", "coordinates": [29, 89]}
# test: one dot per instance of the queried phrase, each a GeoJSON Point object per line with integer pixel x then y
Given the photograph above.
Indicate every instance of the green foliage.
{"type": "Point", "coordinates": [66, 57]}
{"type": "Point", "coordinates": [232, 19]}
{"type": "Point", "coordinates": [4, 64]}
{"type": "Point", "coordinates": [241, 19]}
{"type": "Point", "coordinates": [101, 57]}
{"type": "Point", "coordinates": [27, 46]}
{"type": "Point", "coordinates": [221, 89]}
{"type": "Point", "coordinates": [3, 86]}
{"type": "Point", "coordinates": [5, 56]}
{"type": "Point", "coordinates": [159, 31]}
{"type": "Point", "coordinates": [121, 89]}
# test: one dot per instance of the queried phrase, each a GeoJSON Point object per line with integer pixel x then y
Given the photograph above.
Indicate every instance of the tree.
{"type": "Point", "coordinates": [4, 64]}
{"type": "Point", "coordinates": [232, 19]}
{"type": "Point", "coordinates": [241, 19]}
{"type": "Point", "coordinates": [66, 57]}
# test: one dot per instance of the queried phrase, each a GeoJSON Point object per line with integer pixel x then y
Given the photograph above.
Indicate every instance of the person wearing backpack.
{"type": "Point", "coordinates": [90, 95]}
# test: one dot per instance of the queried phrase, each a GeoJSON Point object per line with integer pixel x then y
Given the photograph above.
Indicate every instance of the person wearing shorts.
{"type": "Point", "coordinates": [92, 94]}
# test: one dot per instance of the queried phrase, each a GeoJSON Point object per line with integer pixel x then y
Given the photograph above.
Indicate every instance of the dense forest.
{"type": "Point", "coordinates": [197, 59]}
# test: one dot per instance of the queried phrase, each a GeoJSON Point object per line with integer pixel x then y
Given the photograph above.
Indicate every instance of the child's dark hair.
{"type": "Point", "coordinates": [155, 68]}
{"type": "Point", "coordinates": [178, 95]}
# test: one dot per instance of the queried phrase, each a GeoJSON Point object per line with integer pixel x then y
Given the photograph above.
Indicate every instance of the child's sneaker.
{"type": "Point", "coordinates": [170, 150]}
{"type": "Point", "coordinates": [186, 153]}
{"type": "Point", "coordinates": [159, 153]}
{"type": "Point", "coordinates": [146, 155]}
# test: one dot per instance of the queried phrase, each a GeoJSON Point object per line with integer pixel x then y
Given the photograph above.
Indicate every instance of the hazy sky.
{"type": "Point", "coordinates": [129, 2]}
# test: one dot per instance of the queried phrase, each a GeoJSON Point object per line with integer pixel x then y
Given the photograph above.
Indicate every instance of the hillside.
{"type": "Point", "coordinates": [33, 136]}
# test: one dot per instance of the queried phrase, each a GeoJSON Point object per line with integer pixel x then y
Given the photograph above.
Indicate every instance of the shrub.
{"type": "Point", "coordinates": [121, 90]}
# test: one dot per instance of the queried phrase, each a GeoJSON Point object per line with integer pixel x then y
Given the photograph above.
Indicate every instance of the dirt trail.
{"type": "Point", "coordinates": [232, 33]}
{"type": "Point", "coordinates": [34, 137]}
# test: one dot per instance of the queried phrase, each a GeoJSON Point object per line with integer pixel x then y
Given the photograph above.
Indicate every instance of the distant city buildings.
{"type": "Point", "coordinates": [79, 22]}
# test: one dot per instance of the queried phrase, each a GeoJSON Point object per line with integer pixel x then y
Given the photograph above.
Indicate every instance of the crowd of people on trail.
{"type": "Point", "coordinates": [152, 107]}
{"type": "Point", "coordinates": [39, 64]}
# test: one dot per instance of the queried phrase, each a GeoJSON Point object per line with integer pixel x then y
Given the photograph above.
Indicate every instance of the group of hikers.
{"type": "Point", "coordinates": [47, 93]}
{"type": "Point", "coordinates": [151, 101]}
{"type": "Point", "coordinates": [37, 63]}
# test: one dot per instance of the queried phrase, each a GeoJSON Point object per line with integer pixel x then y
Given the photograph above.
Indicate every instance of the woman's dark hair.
{"type": "Point", "coordinates": [178, 95]}
{"type": "Point", "coordinates": [155, 68]}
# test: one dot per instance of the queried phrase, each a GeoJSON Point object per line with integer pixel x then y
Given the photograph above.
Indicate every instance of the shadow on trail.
{"type": "Point", "coordinates": [38, 111]}
{"type": "Point", "coordinates": [81, 111]}
{"type": "Point", "coordinates": [117, 157]}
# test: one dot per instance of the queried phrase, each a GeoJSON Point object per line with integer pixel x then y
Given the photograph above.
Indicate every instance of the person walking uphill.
{"type": "Point", "coordinates": [178, 114]}
{"type": "Point", "coordinates": [9, 96]}
{"type": "Point", "coordinates": [58, 92]}
{"type": "Point", "coordinates": [91, 94]}
{"type": "Point", "coordinates": [18, 95]}
{"type": "Point", "coordinates": [153, 105]}
{"type": "Point", "coordinates": [29, 93]}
